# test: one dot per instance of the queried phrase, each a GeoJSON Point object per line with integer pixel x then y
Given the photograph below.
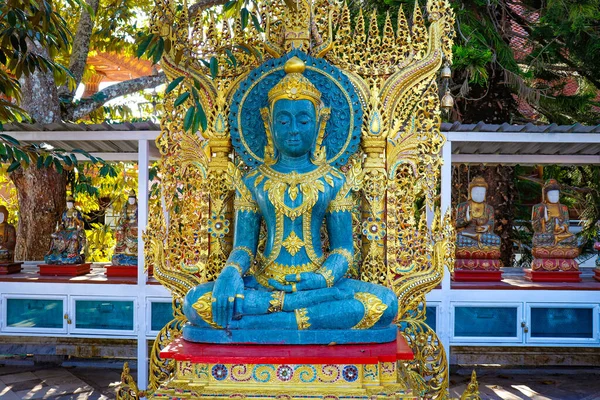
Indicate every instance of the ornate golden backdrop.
{"type": "Point", "coordinates": [394, 72]}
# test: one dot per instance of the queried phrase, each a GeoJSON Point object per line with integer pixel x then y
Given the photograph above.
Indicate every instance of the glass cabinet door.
{"type": "Point", "coordinates": [34, 314]}
{"type": "Point", "coordinates": [103, 316]}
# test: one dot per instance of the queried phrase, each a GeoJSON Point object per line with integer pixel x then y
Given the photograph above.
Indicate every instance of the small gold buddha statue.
{"type": "Point", "coordinates": [8, 238]}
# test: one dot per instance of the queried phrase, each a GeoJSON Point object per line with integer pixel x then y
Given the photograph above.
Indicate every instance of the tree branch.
{"type": "Point", "coordinates": [201, 5]}
{"type": "Point", "coordinates": [544, 42]}
{"type": "Point", "coordinates": [81, 46]}
{"type": "Point", "coordinates": [88, 105]}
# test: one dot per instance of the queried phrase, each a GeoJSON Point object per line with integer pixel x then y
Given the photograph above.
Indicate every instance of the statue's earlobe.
{"type": "Point", "coordinates": [270, 156]}
{"type": "Point", "coordinates": [320, 153]}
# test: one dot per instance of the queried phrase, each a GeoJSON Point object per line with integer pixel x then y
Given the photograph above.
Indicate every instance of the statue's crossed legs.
{"type": "Point", "coordinates": [350, 304]}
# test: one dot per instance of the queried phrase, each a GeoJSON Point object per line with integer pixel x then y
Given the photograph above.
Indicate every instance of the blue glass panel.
{"type": "Point", "coordinates": [431, 317]}
{"type": "Point", "coordinates": [34, 313]}
{"type": "Point", "coordinates": [104, 314]}
{"type": "Point", "coordinates": [161, 314]}
{"type": "Point", "coordinates": [562, 322]}
{"type": "Point", "coordinates": [485, 321]}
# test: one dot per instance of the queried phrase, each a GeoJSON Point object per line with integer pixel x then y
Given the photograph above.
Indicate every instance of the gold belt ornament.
{"type": "Point", "coordinates": [279, 271]}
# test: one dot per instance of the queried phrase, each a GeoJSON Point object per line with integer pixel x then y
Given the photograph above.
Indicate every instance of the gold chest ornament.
{"type": "Point", "coordinates": [477, 209]}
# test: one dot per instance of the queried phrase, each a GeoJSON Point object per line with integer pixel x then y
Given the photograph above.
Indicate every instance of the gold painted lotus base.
{"type": "Point", "coordinates": [366, 371]}
{"type": "Point", "coordinates": [284, 381]}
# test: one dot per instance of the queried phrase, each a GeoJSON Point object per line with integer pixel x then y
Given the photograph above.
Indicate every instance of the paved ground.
{"type": "Point", "coordinates": [96, 382]}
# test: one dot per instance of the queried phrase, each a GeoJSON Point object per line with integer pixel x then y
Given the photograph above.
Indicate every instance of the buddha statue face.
{"type": "Point", "coordinates": [478, 194]}
{"type": "Point", "coordinates": [553, 196]}
{"type": "Point", "coordinates": [3, 214]}
{"type": "Point", "coordinates": [294, 127]}
{"type": "Point", "coordinates": [69, 205]}
{"type": "Point", "coordinates": [131, 200]}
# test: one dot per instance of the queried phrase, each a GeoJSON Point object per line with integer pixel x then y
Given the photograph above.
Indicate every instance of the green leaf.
{"type": "Point", "coordinates": [188, 120]}
{"type": "Point", "coordinates": [58, 166]}
{"type": "Point", "coordinates": [48, 161]}
{"type": "Point", "coordinates": [231, 58]}
{"type": "Point", "coordinates": [174, 83]}
{"type": "Point", "coordinates": [229, 5]}
{"type": "Point", "coordinates": [245, 14]}
{"type": "Point", "coordinates": [13, 166]}
{"type": "Point", "coordinates": [10, 139]}
{"type": "Point", "coordinates": [196, 95]}
{"type": "Point", "coordinates": [144, 45]}
{"type": "Point", "coordinates": [214, 67]}
{"type": "Point", "coordinates": [160, 47]}
{"type": "Point", "coordinates": [40, 162]}
{"type": "Point", "coordinates": [256, 23]}
{"type": "Point", "coordinates": [181, 98]}
{"type": "Point", "coordinates": [201, 117]}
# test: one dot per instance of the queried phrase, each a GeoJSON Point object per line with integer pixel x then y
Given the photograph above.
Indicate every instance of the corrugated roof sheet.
{"type": "Point", "coordinates": [552, 128]}
{"type": "Point", "coordinates": [66, 126]}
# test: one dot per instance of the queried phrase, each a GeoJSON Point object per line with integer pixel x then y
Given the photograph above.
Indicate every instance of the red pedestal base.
{"type": "Point", "coordinates": [64, 270]}
{"type": "Point", "coordinates": [553, 276]}
{"type": "Point", "coordinates": [182, 350]}
{"type": "Point", "coordinates": [597, 274]}
{"type": "Point", "coordinates": [10, 268]}
{"type": "Point", "coordinates": [461, 275]}
{"type": "Point", "coordinates": [121, 270]}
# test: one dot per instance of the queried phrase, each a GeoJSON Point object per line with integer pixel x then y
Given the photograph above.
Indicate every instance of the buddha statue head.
{"type": "Point", "coordinates": [295, 119]}
{"type": "Point", "coordinates": [132, 199]}
{"type": "Point", "coordinates": [3, 214]}
{"type": "Point", "coordinates": [70, 202]}
{"type": "Point", "coordinates": [478, 189]}
{"type": "Point", "coordinates": [551, 192]}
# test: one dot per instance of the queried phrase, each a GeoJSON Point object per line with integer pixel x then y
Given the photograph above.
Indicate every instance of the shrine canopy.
{"type": "Point", "coordinates": [522, 144]}
{"type": "Point", "coordinates": [111, 142]}
{"type": "Point", "coordinates": [479, 143]}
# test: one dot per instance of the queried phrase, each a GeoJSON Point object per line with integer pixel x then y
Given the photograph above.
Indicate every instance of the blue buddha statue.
{"type": "Point", "coordinates": [293, 285]}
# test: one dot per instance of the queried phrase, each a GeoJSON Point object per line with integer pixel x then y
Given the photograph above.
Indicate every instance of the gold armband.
{"type": "Point", "coordinates": [340, 205]}
{"type": "Point", "coordinates": [344, 253]}
{"type": "Point", "coordinates": [276, 302]}
{"type": "Point", "coordinates": [236, 266]}
{"type": "Point", "coordinates": [327, 274]}
{"type": "Point", "coordinates": [241, 204]}
{"type": "Point", "coordinates": [246, 250]}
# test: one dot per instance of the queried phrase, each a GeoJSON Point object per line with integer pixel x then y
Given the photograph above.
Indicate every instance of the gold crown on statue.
{"type": "Point", "coordinates": [294, 85]}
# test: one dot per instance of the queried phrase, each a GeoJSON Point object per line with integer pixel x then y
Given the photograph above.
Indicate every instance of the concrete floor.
{"type": "Point", "coordinates": [89, 381]}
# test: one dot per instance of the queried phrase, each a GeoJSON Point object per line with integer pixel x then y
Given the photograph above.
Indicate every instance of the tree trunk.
{"type": "Point", "coordinates": [41, 193]}
{"type": "Point", "coordinates": [39, 93]}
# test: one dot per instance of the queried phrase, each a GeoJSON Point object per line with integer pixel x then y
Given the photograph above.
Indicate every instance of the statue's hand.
{"type": "Point", "coordinates": [227, 296]}
{"type": "Point", "coordinates": [302, 281]}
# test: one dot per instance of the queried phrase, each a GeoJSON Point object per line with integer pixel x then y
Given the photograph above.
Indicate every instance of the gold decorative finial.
{"type": "Point", "coordinates": [294, 85]}
{"type": "Point", "coordinates": [294, 65]}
